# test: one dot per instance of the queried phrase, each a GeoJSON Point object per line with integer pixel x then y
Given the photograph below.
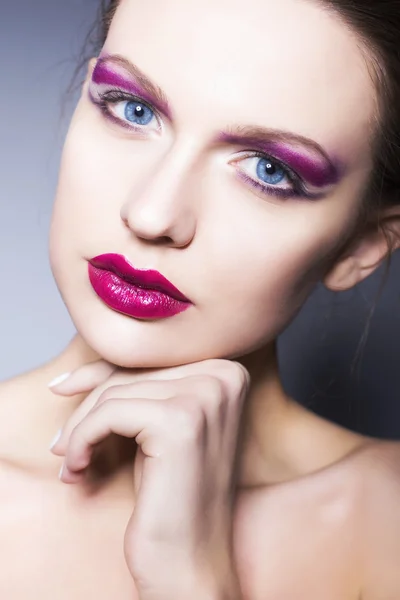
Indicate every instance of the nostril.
{"type": "Point", "coordinates": [158, 241]}
{"type": "Point", "coordinates": [125, 221]}
{"type": "Point", "coordinates": [159, 228]}
{"type": "Point", "coordinates": [154, 240]}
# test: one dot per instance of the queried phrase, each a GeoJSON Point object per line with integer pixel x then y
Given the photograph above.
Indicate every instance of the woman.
{"type": "Point", "coordinates": [220, 162]}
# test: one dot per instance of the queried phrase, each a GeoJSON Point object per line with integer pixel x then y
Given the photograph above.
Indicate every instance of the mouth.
{"type": "Point", "coordinates": [145, 279]}
{"type": "Point", "coordinates": [138, 293]}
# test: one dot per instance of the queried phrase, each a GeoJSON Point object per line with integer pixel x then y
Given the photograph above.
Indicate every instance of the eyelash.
{"type": "Point", "coordinates": [116, 96]}
{"type": "Point", "coordinates": [298, 189]}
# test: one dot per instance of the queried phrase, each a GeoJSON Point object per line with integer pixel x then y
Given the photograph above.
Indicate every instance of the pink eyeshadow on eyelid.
{"type": "Point", "coordinates": [318, 172]}
{"type": "Point", "coordinates": [104, 75]}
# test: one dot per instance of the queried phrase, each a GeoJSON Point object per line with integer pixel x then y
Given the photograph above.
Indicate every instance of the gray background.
{"type": "Point", "coordinates": [39, 46]}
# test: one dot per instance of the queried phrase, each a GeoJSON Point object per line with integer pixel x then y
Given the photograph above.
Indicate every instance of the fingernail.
{"type": "Point", "coordinates": [59, 379]}
{"type": "Point", "coordinates": [56, 438]}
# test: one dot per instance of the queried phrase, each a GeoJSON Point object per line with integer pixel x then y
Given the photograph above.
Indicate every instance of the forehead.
{"type": "Point", "coordinates": [290, 65]}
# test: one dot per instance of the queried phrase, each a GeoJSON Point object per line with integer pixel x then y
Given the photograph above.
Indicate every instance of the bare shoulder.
{"type": "Point", "coordinates": [378, 469]}
{"type": "Point", "coordinates": [379, 458]}
{"type": "Point", "coordinates": [350, 510]}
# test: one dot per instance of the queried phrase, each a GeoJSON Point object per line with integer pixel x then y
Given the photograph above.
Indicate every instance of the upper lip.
{"type": "Point", "coordinates": [146, 279]}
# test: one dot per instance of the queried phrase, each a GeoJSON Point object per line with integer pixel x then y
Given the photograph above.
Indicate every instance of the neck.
{"type": "Point", "coordinates": [268, 411]}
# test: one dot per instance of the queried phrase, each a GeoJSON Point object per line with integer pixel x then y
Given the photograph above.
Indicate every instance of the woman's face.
{"type": "Point", "coordinates": [236, 184]}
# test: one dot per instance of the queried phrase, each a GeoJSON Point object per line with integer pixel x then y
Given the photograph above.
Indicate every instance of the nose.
{"type": "Point", "coordinates": [160, 207]}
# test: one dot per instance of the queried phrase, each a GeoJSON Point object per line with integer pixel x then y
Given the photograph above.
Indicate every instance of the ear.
{"type": "Point", "coordinates": [367, 251]}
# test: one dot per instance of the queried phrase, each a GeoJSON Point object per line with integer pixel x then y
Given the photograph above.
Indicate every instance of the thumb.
{"type": "Point", "coordinates": [84, 379]}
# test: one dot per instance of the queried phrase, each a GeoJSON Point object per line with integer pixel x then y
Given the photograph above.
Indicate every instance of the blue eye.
{"type": "Point", "coordinates": [127, 111]}
{"type": "Point", "coordinates": [270, 172]}
{"type": "Point", "coordinates": [138, 113]}
{"type": "Point", "coordinates": [270, 177]}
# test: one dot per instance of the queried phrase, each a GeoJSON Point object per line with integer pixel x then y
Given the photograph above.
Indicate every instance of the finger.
{"type": "Point", "coordinates": [153, 390]}
{"type": "Point", "coordinates": [196, 377]}
{"type": "Point", "coordinates": [82, 380]}
{"type": "Point", "coordinates": [233, 374]}
{"type": "Point", "coordinates": [127, 418]}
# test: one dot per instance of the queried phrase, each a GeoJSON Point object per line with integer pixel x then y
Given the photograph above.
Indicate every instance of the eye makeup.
{"type": "Point", "coordinates": [295, 189]}
{"type": "Point", "coordinates": [308, 167]}
{"type": "Point", "coordinates": [120, 74]}
{"type": "Point", "coordinates": [318, 171]}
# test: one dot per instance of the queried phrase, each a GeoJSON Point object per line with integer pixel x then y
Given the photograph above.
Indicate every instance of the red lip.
{"type": "Point", "coordinates": [143, 294]}
{"type": "Point", "coordinates": [148, 280]}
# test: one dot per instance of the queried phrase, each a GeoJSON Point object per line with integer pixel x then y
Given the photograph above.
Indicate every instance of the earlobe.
{"type": "Point", "coordinates": [367, 252]}
{"type": "Point", "coordinates": [343, 276]}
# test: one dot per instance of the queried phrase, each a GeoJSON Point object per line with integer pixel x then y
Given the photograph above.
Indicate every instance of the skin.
{"type": "Point", "coordinates": [173, 204]}
{"type": "Point", "coordinates": [314, 512]}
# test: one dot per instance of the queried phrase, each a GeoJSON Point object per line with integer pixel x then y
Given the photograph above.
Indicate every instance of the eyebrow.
{"type": "Point", "coordinates": [262, 138]}
{"type": "Point", "coordinates": [278, 141]}
{"type": "Point", "coordinates": [153, 91]}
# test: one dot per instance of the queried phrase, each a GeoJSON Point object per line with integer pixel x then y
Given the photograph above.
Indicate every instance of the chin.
{"type": "Point", "coordinates": [116, 338]}
{"type": "Point", "coordinates": [131, 343]}
{"type": "Point", "coordinates": [187, 337]}
{"type": "Point", "coordinates": [125, 345]}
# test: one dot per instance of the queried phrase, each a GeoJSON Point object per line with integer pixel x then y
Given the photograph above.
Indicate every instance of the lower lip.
{"type": "Point", "coordinates": [132, 300]}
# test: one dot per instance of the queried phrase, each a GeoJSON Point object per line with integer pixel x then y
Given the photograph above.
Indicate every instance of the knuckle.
{"type": "Point", "coordinates": [103, 408]}
{"type": "Point", "coordinates": [190, 422]}
{"type": "Point", "coordinates": [108, 394]}
{"type": "Point", "coordinates": [212, 386]}
{"type": "Point", "coordinates": [239, 377]}
{"type": "Point", "coordinates": [215, 396]}
{"type": "Point", "coordinates": [210, 392]}
{"type": "Point", "coordinates": [233, 374]}
{"type": "Point", "coordinates": [74, 437]}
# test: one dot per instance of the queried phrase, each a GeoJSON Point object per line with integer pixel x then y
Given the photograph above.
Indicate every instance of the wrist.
{"type": "Point", "coordinates": [218, 585]}
{"type": "Point", "coordinates": [185, 583]}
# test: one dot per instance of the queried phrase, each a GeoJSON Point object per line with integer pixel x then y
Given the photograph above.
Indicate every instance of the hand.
{"type": "Point", "coordinates": [186, 422]}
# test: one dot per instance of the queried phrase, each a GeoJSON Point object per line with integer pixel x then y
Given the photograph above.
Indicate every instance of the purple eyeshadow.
{"type": "Point", "coordinates": [103, 74]}
{"type": "Point", "coordinates": [318, 172]}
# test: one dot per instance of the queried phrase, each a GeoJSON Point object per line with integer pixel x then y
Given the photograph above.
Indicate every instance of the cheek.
{"type": "Point", "coordinates": [86, 207]}
{"type": "Point", "coordinates": [98, 172]}
{"type": "Point", "coordinates": [266, 267]}
{"type": "Point", "coordinates": [84, 174]}
{"type": "Point", "coordinates": [252, 263]}
{"type": "Point", "coordinates": [268, 255]}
